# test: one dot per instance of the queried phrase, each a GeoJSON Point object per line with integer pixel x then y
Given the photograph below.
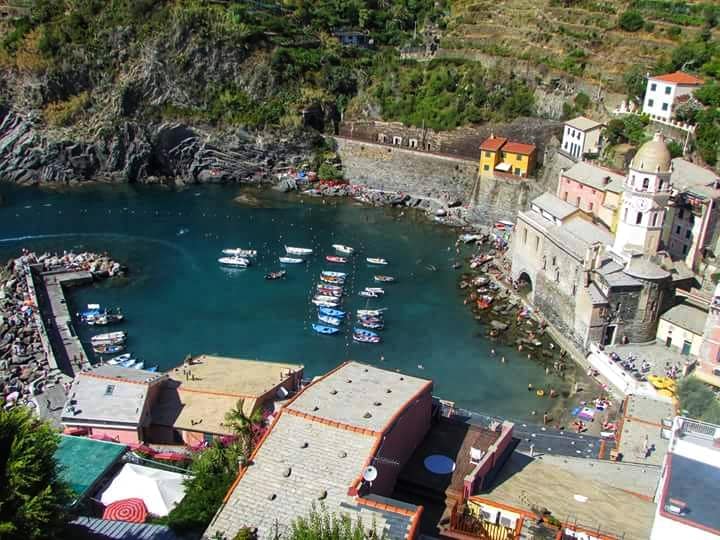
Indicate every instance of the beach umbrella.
{"type": "Point", "coordinates": [132, 510]}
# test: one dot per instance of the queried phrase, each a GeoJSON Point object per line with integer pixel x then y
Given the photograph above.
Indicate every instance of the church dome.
{"type": "Point", "coordinates": [653, 156]}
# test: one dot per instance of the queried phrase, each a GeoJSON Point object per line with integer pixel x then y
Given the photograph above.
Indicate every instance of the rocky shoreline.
{"type": "Point", "coordinates": [24, 356]}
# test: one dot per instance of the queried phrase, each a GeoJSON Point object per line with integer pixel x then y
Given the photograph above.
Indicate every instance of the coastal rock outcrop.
{"type": "Point", "coordinates": [129, 152]}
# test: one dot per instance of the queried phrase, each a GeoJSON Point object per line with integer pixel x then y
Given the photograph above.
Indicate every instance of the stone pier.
{"type": "Point", "coordinates": [60, 341]}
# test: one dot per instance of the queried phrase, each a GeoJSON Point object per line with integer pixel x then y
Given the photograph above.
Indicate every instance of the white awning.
{"type": "Point", "coordinates": [504, 167]}
{"type": "Point", "coordinates": [159, 490]}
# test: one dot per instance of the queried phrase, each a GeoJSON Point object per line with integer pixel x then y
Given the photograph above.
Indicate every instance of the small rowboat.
{"type": "Point", "coordinates": [367, 294]}
{"type": "Point", "coordinates": [129, 363]}
{"type": "Point", "coordinates": [332, 321]}
{"type": "Point", "coordinates": [111, 337]}
{"type": "Point", "coordinates": [332, 312]}
{"type": "Point", "coordinates": [115, 360]}
{"type": "Point", "coordinates": [329, 292]}
{"type": "Point", "coordinates": [365, 336]}
{"type": "Point", "coordinates": [335, 259]}
{"type": "Point", "coordinates": [328, 273]}
{"type": "Point", "coordinates": [297, 251]}
{"type": "Point", "coordinates": [291, 260]}
{"type": "Point", "coordinates": [234, 262]}
{"type": "Point", "coordinates": [371, 320]}
{"type": "Point", "coordinates": [376, 290]}
{"type": "Point", "coordinates": [325, 303]}
{"type": "Point", "coordinates": [371, 312]}
{"type": "Point", "coordinates": [329, 287]}
{"type": "Point", "coordinates": [326, 298]}
{"type": "Point", "coordinates": [322, 329]}
{"type": "Point", "coordinates": [276, 275]}
{"type": "Point", "coordinates": [375, 260]}
{"type": "Point", "coordinates": [108, 349]}
{"type": "Point", "coordinates": [332, 279]}
{"type": "Point", "coordinates": [384, 279]}
{"type": "Point", "coordinates": [343, 249]}
{"type": "Point", "coordinates": [238, 252]}
{"type": "Point", "coordinates": [373, 325]}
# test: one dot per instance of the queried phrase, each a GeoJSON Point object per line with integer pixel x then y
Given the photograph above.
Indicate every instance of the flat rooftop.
{"type": "Point", "coordinates": [359, 395]}
{"type": "Point", "coordinates": [687, 317]}
{"type": "Point", "coordinates": [109, 394]}
{"type": "Point", "coordinates": [302, 463]}
{"type": "Point", "coordinates": [454, 440]}
{"type": "Point", "coordinates": [232, 376]}
{"type": "Point", "coordinates": [83, 462]}
{"type": "Point", "coordinates": [697, 485]}
{"type": "Point", "coordinates": [526, 482]}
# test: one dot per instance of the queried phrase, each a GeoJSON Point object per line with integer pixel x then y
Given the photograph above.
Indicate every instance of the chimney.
{"type": "Point", "coordinates": [606, 180]}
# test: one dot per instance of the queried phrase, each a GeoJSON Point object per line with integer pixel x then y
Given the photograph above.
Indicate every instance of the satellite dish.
{"type": "Point", "coordinates": [370, 474]}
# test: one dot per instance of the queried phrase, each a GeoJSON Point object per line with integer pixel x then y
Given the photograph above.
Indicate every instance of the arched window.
{"type": "Point", "coordinates": [655, 218]}
{"type": "Point", "coordinates": [646, 183]}
{"type": "Point", "coordinates": [638, 218]}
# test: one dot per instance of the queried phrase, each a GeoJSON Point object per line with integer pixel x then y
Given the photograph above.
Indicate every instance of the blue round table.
{"type": "Point", "coordinates": [439, 464]}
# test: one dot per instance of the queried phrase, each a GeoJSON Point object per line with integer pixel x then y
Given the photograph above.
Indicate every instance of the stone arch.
{"type": "Point", "coordinates": [525, 281]}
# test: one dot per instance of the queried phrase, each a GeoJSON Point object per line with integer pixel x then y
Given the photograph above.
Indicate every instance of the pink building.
{"type": "Point", "coordinates": [112, 403]}
{"type": "Point", "coordinates": [340, 443]}
{"type": "Point", "coordinates": [593, 189]}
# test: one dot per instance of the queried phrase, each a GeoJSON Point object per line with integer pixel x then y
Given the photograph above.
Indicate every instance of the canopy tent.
{"type": "Point", "coordinates": [159, 490]}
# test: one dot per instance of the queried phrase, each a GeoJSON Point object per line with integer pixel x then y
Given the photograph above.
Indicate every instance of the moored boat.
{"type": "Point", "coordinates": [327, 319]}
{"type": "Point", "coordinates": [343, 249]}
{"type": "Point", "coordinates": [239, 252]}
{"type": "Point", "coordinates": [276, 275]}
{"type": "Point", "coordinates": [110, 337]}
{"type": "Point", "coordinates": [291, 260]}
{"type": "Point", "coordinates": [234, 262]}
{"type": "Point", "coordinates": [371, 312]}
{"type": "Point", "coordinates": [332, 312]}
{"type": "Point", "coordinates": [329, 287]}
{"type": "Point", "coordinates": [376, 290]}
{"type": "Point", "coordinates": [152, 369]}
{"type": "Point", "coordinates": [335, 259]}
{"type": "Point", "coordinates": [322, 329]}
{"type": "Point", "coordinates": [329, 273]}
{"type": "Point", "coordinates": [128, 363]}
{"type": "Point", "coordinates": [326, 298]}
{"type": "Point", "coordinates": [105, 348]}
{"type": "Point", "coordinates": [376, 260]}
{"type": "Point", "coordinates": [139, 365]}
{"type": "Point", "coordinates": [115, 360]}
{"type": "Point", "coordinates": [372, 325]}
{"type": "Point", "coordinates": [325, 303]}
{"type": "Point", "coordinates": [333, 280]}
{"type": "Point", "coordinates": [329, 292]}
{"type": "Point", "coordinates": [367, 294]}
{"type": "Point", "coordinates": [384, 279]}
{"type": "Point", "coordinates": [365, 336]}
{"type": "Point", "coordinates": [297, 250]}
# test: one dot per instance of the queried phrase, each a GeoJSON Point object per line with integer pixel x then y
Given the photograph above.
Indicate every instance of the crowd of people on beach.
{"type": "Point", "coordinates": [24, 354]}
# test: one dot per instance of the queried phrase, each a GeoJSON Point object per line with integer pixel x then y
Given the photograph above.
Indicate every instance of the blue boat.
{"type": "Point", "coordinates": [365, 333]}
{"type": "Point", "coordinates": [152, 369]}
{"type": "Point", "coordinates": [332, 312]}
{"type": "Point", "coordinates": [322, 329]}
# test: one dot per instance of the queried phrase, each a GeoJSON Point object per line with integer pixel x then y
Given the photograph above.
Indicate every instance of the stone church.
{"type": "Point", "coordinates": [593, 287]}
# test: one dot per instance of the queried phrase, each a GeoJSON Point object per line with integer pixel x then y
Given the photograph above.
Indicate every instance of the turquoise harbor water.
{"type": "Point", "coordinates": [178, 300]}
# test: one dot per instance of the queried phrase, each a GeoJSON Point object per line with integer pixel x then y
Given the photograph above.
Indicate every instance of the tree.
{"type": "Point", "coordinates": [614, 132]}
{"type": "Point", "coordinates": [244, 426]}
{"type": "Point", "coordinates": [211, 474]}
{"type": "Point", "coordinates": [32, 496]}
{"type": "Point", "coordinates": [698, 401]}
{"type": "Point", "coordinates": [635, 82]}
{"type": "Point", "coordinates": [631, 21]}
{"type": "Point", "coordinates": [321, 525]}
{"type": "Point", "coordinates": [675, 149]}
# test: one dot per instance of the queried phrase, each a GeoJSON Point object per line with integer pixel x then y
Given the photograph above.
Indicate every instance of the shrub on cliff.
{"type": "Point", "coordinates": [64, 113]}
{"type": "Point", "coordinates": [698, 401]}
{"type": "Point", "coordinates": [631, 21]}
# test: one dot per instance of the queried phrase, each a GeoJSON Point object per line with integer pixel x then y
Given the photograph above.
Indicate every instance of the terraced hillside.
{"type": "Point", "coordinates": [579, 37]}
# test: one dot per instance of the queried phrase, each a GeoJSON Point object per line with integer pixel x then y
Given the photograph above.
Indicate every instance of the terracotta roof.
{"type": "Point", "coordinates": [679, 77]}
{"type": "Point", "coordinates": [519, 148]}
{"type": "Point", "coordinates": [493, 144]}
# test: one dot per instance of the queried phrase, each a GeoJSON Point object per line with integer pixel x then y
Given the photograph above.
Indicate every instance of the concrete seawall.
{"type": "Point", "coordinates": [61, 343]}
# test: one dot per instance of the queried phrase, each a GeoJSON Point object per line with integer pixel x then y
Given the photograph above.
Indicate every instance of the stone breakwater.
{"type": "Point", "coordinates": [28, 338]}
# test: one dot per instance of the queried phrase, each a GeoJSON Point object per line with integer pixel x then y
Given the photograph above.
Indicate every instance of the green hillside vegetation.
{"type": "Point", "coordinates": [286, 48]}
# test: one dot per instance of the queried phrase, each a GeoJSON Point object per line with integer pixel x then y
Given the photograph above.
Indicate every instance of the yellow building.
{"type": "Point", "coordinates": [497, 154]}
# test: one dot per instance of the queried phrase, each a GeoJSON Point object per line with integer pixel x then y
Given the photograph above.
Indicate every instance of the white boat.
{"type": "Point", "coordinates": [330, 320]}
{"type": "Point", "coordinates": [291, 260]}
{"type": "Point", "coordinates": [324, 303]}
{"type": "Point", "coordinates": [239, 252]}
{"type": "Point", "coordinates": [129, 363]}
{"type": "Point", "coordinates": [297, 251]}
{"type": "Point", "coordinates": [374, 260]}
{"type": "Point", "coordinates": [376, 290]}
{"type": "Point", "coordinates": [367, 294]}
{"type": "Point", "coordinates": [371, 312]}
{"type": "Point", "coordinates": [328, 292]}
{"type": "Point", "coordinates": [326, 298]}
{"type": "Point", "coordinates": [343, 249]}
{"type": "Point", "coordinates": [328, 273]}
{"type": "Point", "coordinates": [110, 337]}
{"type": "Point", "coordinates": [235, 262]}
{"type": "Point", "coordinates": [118, 359]}
{"type": "Point", "coordinates": [139, 365]}
{"type": "Point", "coordinates": [329, 287]}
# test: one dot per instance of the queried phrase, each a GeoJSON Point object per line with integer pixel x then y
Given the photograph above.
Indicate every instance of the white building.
{"type": "Point", "coordinates": [689, 486]}
{"type": "Point", "coordinates": [581, 136]}
{"type": "Point", "coordinates": [663, 91]}
{"type": "Point", "coordinates": [647, 191]}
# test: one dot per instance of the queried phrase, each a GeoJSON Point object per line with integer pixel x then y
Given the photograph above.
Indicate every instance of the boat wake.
{"type": "Point", "coordinates": [29, 237]}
